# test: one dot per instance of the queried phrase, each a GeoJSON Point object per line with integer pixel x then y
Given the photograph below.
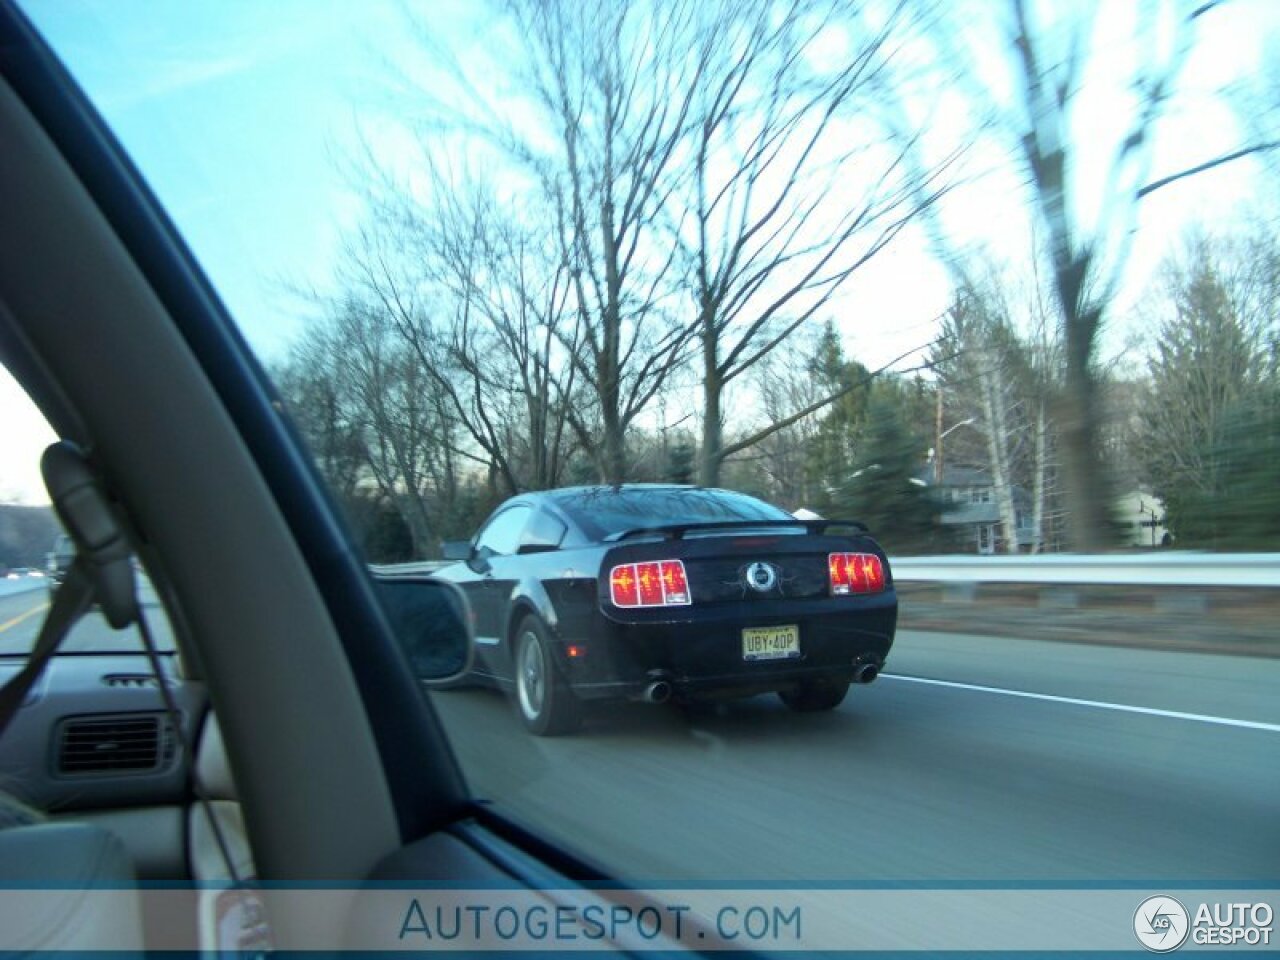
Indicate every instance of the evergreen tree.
{"type": "Point", "coordinates": [1209, 426]}
{"type": "Point", "coordinates": [882, 488]}
{"type": "Point", "coordinates": [833, 445]}
{"type": "Point", "coordinates": [680, 465]}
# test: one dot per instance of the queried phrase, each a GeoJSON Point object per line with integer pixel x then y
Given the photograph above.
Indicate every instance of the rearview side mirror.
{"type": "Point", "coordinates": [432, 620]}
{"type": "Point", "coordinates": [456, 549]}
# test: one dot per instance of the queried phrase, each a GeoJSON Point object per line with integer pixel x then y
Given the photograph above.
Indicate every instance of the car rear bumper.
{"type": "Point", "coordinates": [721, 687]}
{"type": "Point", "coordinates": [704, 658]}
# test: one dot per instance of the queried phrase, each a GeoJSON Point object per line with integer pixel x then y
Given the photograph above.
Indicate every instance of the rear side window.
{"type": "Point", "coordinates": [502, 534]}
{"type": "Point", "coordinates": [606, 512]}
{"type": "Point", "coordinates": [544, 530]}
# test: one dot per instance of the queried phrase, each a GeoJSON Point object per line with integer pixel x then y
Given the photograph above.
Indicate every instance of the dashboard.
{"type": "Point", "coordinates": [94, 733]}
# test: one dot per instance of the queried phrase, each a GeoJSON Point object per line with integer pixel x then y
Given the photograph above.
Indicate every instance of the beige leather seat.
{"type": "Point", "coordinates": [68, 887]}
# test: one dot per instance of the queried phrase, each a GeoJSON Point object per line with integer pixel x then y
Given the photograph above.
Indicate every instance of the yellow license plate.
{"type": "Point", "coordinates": [771, 643]}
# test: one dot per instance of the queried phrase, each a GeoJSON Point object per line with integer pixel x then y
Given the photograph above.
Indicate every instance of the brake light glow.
{"type": "Point", "coordinates": [852, 573]}
{"type": "Point", "coordinates": [622, 586]}
{"type": "Point", "coordinates": [675, 588]}
{"type": "Point", "coordinates": [659, 584]}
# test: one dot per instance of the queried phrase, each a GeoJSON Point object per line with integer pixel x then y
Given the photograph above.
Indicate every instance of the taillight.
{"type": "Point", "coordinates": [855, 573]}
{"type": "Point", "coordinates": [658, 584]}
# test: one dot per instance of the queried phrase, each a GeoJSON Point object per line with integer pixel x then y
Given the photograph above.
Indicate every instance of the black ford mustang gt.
{"type": "Point", "coordinates": [648, 592]}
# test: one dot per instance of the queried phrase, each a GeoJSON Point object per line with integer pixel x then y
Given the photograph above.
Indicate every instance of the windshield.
{"type": "Point", "coordinates": [998, 280]}
{"type": "Point", "coordinates": [35, 554]}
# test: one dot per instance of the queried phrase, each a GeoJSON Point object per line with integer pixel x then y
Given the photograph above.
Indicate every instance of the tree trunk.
{"type": "Point", "coordinates": [1040, 469]}
{"type": "Point", "coordinates": [1086, 483]}
{"type": "Point", "coordinates": [709, 458]}
{"type": "Point", "coordinates": [710, 455]}
{"type": "Point", "coordinates": [414, 513]}
{"type": "Point", "coordinates": [991, 387]}
{"type": "Point", "coordinates": [613, 461]}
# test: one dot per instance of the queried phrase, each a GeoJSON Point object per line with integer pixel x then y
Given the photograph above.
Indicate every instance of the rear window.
{"type": "Point", "coordinates": [605, 512]}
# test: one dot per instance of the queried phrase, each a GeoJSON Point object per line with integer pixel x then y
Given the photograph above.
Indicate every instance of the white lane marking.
{"type": "Point", "coordinates": [488, 641]}
{"type": "Point", "coordinates": [1120, 707]}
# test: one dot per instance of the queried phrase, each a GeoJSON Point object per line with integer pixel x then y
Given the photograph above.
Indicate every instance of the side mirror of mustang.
{"type": "Point", "coordinates": [456, 549]}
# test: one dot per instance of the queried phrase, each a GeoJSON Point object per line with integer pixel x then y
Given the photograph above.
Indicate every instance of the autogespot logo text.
{"type": "Point", "coordinates": [1161, 924]}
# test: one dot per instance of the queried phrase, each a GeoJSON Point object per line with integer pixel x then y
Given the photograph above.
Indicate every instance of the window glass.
{"type": "Point", "coordinates": [605, 512]}
{"type": "Point", "coordinates": [35, 553]}
{"type": "Point", "coordinates": [910, 264]}
{"type": "Point", "coordinates": [502, 534]}
{"type": "Point", "coordinates": [544, 530]}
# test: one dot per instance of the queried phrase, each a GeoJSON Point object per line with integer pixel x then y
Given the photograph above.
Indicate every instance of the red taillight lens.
{"type": "Point", "coordinates": [660, 584]}
{"type": "Point", "coordinates": [622, 586]}
{"type": "Point", "coordinates": [675, 588]}
{"type": "Point", "coordinates": [838, 567]}
{"type": "Point", "coordinates": [855, 573]}
{"type": "Point", "coordinates": [649, 576]}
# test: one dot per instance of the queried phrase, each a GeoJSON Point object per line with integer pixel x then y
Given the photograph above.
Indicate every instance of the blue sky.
{"type": "Point", "coordinates": [236, 112]}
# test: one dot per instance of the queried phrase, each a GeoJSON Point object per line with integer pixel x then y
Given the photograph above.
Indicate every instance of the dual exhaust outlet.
{"type": "Point", "coordinates": [659, 690]}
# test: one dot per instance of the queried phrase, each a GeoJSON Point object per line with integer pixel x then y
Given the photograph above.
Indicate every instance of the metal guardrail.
{"type": "Point", "coordinates": [1169, 569]}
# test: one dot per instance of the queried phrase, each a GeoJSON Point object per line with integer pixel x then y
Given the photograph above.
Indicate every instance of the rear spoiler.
{"type": "Point", "coordinates": [676, 531]}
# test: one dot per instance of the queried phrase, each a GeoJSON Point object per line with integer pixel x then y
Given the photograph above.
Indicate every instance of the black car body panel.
{"type": "Point", "coordinates": [603, 650]}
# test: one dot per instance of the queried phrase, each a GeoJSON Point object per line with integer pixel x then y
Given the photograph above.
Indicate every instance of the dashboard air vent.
{"type": "Point", "coordinates": [115, 743]}
{"type": "Point", "coordinates": [134, 681]}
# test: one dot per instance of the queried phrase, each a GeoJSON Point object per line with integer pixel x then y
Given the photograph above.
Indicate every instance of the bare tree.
{"type": "Point", "coordinates": [367, 405]}
{"type": "Point", "coordinates": [1044, 374]}
{"type": "Point", "coordinates": [614, 85]}
{"type": "Point", "coordinates": [319, 402]}
{"type": "Point", "coordinates": [793, 187]}
{"type": "Point", "coordinates": [1054, 54]}
{"type": "Point", "coordinates": [474, 286]}
{"type": "Point", "coordinates": [785, 383]}
{"type": "Point", "coordinates": [498, 276]}
{"type": "Point", "coordinates": [984, 383]}
{"type": "Point", "coordinates": [1087, 263]}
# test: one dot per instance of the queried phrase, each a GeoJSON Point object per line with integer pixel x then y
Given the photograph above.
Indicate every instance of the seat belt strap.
{"type": "Point", "coordinates": [70, 601]}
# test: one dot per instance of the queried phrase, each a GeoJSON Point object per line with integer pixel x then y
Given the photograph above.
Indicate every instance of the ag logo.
{"type": "Point", "coordinates": [1161, 924]}
{"type": "Point", "coordinates": [761, 576]}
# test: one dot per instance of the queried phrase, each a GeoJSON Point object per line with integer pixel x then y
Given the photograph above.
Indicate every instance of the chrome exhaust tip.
{"type": "Point", "coordinates": [657, 692]}
{"type": "Point", "coordinates": [866, 673]}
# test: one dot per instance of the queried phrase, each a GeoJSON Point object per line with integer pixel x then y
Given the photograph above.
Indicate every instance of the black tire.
{"type": "Point", "coordinates": [543, 700]}
{"type": "Point", "coordinates": [814, 697]}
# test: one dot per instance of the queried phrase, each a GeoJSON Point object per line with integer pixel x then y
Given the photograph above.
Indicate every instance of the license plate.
{"type": "Point", "coordinates": [771, 643]}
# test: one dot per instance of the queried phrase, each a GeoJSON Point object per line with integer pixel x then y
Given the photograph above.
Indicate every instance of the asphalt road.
{"type": "Point", "coordinates": [23, 612]}
{"type": "Point", "coordinates": [912, 781]}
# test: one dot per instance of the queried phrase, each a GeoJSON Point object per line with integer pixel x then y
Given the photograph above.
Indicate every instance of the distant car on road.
{"type": "Point", "coordinates": [649, 592]}
{"type": "Point", "coordinates": [59, 560]}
